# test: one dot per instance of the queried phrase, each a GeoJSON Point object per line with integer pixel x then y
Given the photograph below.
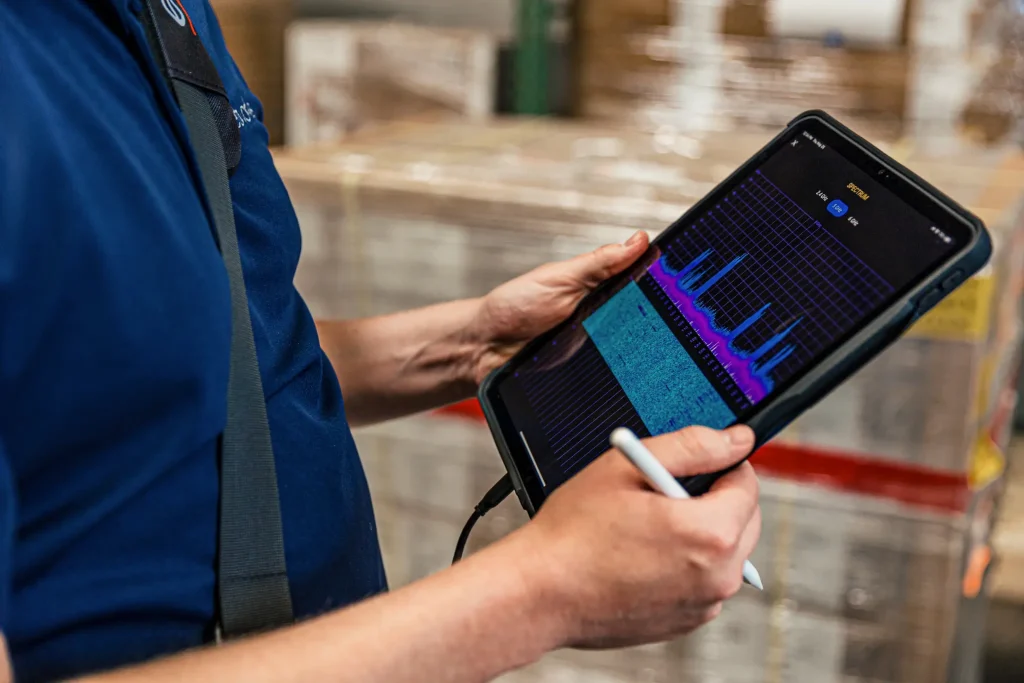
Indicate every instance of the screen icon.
{"type": "Point", "coordinates": [838, 208]}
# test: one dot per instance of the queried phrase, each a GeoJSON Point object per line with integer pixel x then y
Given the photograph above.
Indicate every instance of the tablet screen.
{"type": "Point", "coordinates": [726, 309]}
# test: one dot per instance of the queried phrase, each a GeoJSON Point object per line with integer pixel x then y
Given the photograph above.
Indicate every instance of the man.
{"type": "Point", "coordinates": [115, 325]}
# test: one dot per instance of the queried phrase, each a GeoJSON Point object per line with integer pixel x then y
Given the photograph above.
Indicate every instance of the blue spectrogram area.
{"type": "Point", "coordinates": [665, 386]}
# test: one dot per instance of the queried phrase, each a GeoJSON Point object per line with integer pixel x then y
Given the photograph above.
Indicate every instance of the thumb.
{"type": "Point", "coordinates": [699, 450]}
{"type": "Point", "coordinates": [597, 266]}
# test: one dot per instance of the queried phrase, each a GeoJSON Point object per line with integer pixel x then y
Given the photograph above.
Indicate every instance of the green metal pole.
{"type": "Point", "coordinates": [533, 56]}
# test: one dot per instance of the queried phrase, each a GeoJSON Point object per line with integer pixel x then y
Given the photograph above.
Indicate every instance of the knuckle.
{"type": "Point", "coordinates": [726, 585]}
{"type": "Point", "coordinates": [758, 523]}
{"type": "Point", "coordinates": [721, 541]}
{"type": "Point", "coordinates": [704, 443]}
{"type": "Point", "coordinates": [755, 483]}
{"type": "Point", "coordinates": [690, 442]}
{"type": "Point", "coordinates": [604, 259]}
{"type": "Point", "coordinates": [744, 482]}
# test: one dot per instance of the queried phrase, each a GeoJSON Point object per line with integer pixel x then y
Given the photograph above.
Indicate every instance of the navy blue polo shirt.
{"type": "Point", "coordinates": [114, 345]}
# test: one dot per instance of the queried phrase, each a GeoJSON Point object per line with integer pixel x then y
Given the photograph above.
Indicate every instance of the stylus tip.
{"type": "Point", "coordinates": [751, 576]}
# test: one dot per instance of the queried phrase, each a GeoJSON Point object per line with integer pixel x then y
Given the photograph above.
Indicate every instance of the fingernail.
{"type": "Point", "coordinates": [740, 436]}
{"type": "Point", "coordinates": [634, 238]}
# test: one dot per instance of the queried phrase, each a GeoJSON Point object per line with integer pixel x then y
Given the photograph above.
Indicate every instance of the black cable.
{"type": "Point", "coordinates": [460, 547]}
{"type": "Point", "coordinates": [491, 499]}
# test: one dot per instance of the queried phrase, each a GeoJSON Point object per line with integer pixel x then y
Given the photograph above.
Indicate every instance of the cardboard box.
{"type": "Point", "coordinates": [719, 64]}
{"type": "Point", "coordinates": [343, 76]}
{"type": "Point", "coordinates": [1008, 534]}
{"type": "Point", "coordinates": [747, 82]}
{"type": "Point", "coordinates": [748, 18]}
{"type": "Point", "coordinates": [254, 32]}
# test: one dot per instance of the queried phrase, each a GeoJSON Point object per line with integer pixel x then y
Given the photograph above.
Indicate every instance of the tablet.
{"type": "Point", "coordinates": [801, 266]}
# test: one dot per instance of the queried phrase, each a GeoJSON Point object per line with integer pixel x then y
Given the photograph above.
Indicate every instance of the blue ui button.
{"type": "Point", "coordinates": [838, 208]}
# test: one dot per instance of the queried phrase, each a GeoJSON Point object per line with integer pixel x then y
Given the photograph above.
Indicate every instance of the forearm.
{"type": "Point", "coordinates": [403, 363]}
{"type": "Point", "coordinates": [468, 624]}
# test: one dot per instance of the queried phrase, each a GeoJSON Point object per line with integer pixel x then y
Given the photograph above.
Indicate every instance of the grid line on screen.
{"type": "Point", "coordinates": [578, 431]}
{"type": "Point", "coordinates": [791, 262]}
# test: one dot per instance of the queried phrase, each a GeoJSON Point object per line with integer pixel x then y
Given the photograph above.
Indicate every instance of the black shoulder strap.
{"type": "Point", "coordinates": [252, 580]}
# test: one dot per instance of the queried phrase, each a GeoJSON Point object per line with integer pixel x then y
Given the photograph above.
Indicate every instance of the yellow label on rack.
{"type": "Point", "coordinates": [963, 315]}
{"type": "Point", "coordinates": [987, 463]}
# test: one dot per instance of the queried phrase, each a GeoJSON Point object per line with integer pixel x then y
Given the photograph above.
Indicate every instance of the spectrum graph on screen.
{"type": "Point", "coordinates": [764, 286]}
{"type": "Point", "coordinates": [751, 370]}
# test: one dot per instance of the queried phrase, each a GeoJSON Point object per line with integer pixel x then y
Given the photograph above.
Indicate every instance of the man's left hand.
{"type": "Point", "coordinates": [524, 308]}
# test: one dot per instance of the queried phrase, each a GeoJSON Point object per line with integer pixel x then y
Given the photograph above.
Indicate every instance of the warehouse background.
{"type": "Point", "coordinates": [496, 16]}
{"type": "Point", "coordinates": [436, 148]}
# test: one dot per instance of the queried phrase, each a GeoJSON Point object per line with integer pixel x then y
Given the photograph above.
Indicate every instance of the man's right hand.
{"type": "Point", "coordinates": [607, 562]}
{"type": "Point", "coordinates": [625, 565]}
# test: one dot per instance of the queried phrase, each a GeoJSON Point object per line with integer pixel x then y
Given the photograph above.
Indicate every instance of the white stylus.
{"type": "Point", "coordinates": [662, 480]}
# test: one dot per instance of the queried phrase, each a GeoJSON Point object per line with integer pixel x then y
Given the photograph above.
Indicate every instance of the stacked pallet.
{"type": "Point", "coordinates": [348, 75]}
{"type": "Point", "coordinates": [1008, 537]}
{"type": "Point", "coordinates": [254, 31]}
{"type": "Point", "coordinates": [870, 516]}
{"type": "Point", "coordinates": [464, 208]}
{"type": "Point", "coordinates": [928, 69]}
